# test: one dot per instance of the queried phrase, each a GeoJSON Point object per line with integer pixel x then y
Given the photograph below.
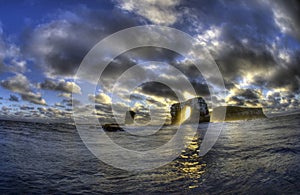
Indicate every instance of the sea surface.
{"type": "Point", "coordinates": [250, 157]}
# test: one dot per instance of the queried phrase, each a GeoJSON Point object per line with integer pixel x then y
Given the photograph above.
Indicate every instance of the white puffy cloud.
{"type": "Point", "coordinates": [61, 85]}
{"type": "Point", "coordinates": [21, 85]}
{"type": "Point", "coordinates": [100, 98]}
{"type": "Point", "coordinates": [35, 98]}
{"type": "Point", "coordinates": [158, 12]}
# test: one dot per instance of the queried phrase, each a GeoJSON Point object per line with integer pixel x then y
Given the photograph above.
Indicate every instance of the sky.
{"type": "Point", "coordinates": [256, 45]}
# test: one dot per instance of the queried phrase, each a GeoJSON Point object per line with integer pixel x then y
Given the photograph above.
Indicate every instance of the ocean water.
{"type": "Point", "coordinates": [250, 157]}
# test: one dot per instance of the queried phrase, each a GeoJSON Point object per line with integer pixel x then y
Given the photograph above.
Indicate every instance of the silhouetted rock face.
{"type": "Point", "coordinates": [129, 118]}
{"type": "Point", "coordinates": [191, 111]}
{"type": "Point", "coordinates": [112, 127]}
{"type": "Point", "coordinates": [237, 113]}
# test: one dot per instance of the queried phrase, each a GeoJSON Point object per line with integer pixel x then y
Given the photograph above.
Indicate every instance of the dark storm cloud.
{"type": "Point", "coordinates": [140, 55]}
{"type": "Point", "coordinates": [115, 69]}
{"type": "Point", "coordinates": [158, 89]}
{"type": "Point", "coordinates": [287, 16]}
{"type": "Point", "coordinates": [13, 98]}
{"type": "Point", "coordinates": [155, 102]}
{"type": "Point", "coordinates": [242, 101]}
{"type": "Point", "coordinates": [236, 64]}
{"type": "Point", "coordinates": [242, 59]}
{"type": "Point", "coordinates": [133, 57]}
{"type": "Point", "coordinates": [249, 94]}
{"type": "Point", "coordinates": [287, 76]}
{"type": "Point", "coordinates": [250, 45]}
{"type": "Point", "coordinates": [201, 88]}
{"type": "Point", "coordinates": [244, 97]}
{"type": "Point", "coordinates": [60, 45]}
{"type": "Point", "coordinates": [249, 30]}
{"type": "Point", "coordinates": [237, 100]}
{"type": "Point", "coordinates": [245, 17]}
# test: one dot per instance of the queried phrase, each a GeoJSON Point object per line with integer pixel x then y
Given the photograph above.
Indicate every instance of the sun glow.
{"type": "Point", "coordinates": [186, 113]}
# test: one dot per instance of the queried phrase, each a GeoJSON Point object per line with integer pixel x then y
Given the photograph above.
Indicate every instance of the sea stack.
{"type": "Point", "coordinates": [191, 111]}
{"type": "Point", "coordinates": [129, 118]}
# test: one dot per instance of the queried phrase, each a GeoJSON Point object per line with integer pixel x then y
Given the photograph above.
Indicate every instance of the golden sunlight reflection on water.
{"type": "Point", "coordinates": [190, 165]}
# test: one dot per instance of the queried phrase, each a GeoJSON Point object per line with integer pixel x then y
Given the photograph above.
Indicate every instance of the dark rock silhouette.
{"type": "Point", "coordinates": [112, 127]}
{"type": "Point", "coordinates": [237, 113]}
{"type": "Point", "coordinates": [191, 111]}
{"type": "Point", "coordinates": [129, 118]}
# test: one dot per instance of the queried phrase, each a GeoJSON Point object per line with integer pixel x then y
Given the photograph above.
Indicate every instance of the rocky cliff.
{"type": "Point", "coordinates": [190, 111]}
{"type": "Point", "coordinates": [237, 113]}
{"type": "Point", "coordinates": [129, 117]}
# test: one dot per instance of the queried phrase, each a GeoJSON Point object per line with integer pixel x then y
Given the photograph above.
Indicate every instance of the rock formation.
{"type": "Point", "coordinates": [191, 111]}
{"type": "Point", "coordinates": [237, 113]}
{"type": "Point", "coordinates": [112, 127]}
{"type": "Point", "coordinates": [129, 117]}
{"type": "Point", "coordinates": [185, 112]}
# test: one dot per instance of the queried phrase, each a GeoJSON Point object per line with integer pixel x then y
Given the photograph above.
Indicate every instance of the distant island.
{"type": "Point", "coordinates": [129, 119]}
{"type": "Point", "coordinates": [237, 113]}
{"type": "Point", "coordinates": [181, 112]}
{"type": "Point", "coordinates": [186, 112]}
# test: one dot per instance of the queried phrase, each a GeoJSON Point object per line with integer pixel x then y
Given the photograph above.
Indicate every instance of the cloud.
{"type": "Point", "coordinates": [244, 96]}
{"type": "Point", "coordinates": [5, 108]}
{"type": "Point", "coordinates": [35, 98]}
{"type": "Point", "coordinates": [21, 85]}
{"type": "Point", "coordinates": [70, 102]}
{"type": "Point", "coordinates": [255, 44]}
{"type": "Point", "coordinates": [60, 45]}
{"type": "Point", "coordinates": [54, 113]}
{"type": "Point", "coordinates": [157, 89]}
{"type": "Point", "coordinates": [100, 98]}
{"type": "Point", "coordinates": [58, 104]}
{"type": "Point", "coordinates": [11, 58]}
{"type": "Point", "coordinates": [26, 107]}
{"type": "Point", "coordinates": [158, 12]}
{"type": "Point", "coordinates": [42, 110]}
{"type": "Point", "coordinates": [65, 95]}
{"type": "Point", "coordinates": [286, 16]}
{"type": "Point", "coordinates": [252, 55]}
{"type": "Point", "coordinates": [61, 85]}
{"type": "Point", "coordinates": [13, 98]}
